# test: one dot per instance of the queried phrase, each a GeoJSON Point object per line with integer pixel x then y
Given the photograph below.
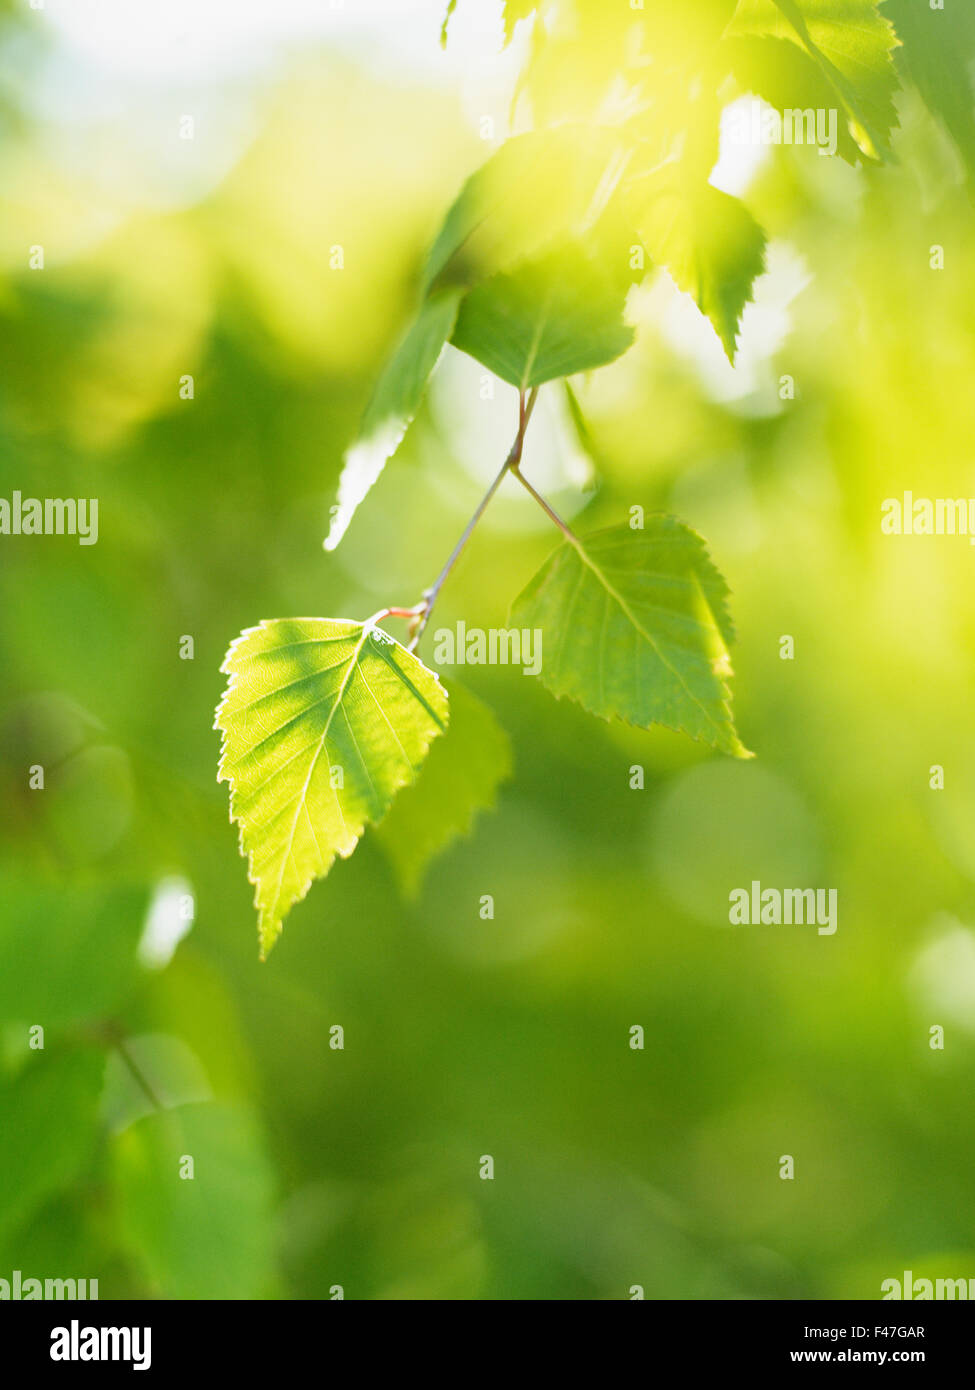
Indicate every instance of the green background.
{"type": "Point", "coordinates": [614, 1167]}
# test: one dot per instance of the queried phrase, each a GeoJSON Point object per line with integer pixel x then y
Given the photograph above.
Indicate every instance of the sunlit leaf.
{"type": "Point", "coordinates": [938, 53]}
{"type": "Point", "coordinates": [635, 626]}
{"type": "Point", "coordinates": [537, 189]}
{"type": "Point", "coordinates": [708, 241]}
{"type": "Point", "coordinates": [786, 77]}
{"type": "Point", "coordinates": [514, 11]}
{"type": "Point", "coordinates": [445, 25]}
{"type": "Point", "coordinates": [547, 319]}
{"type": "Point", "coordinates": [394, 403]}
{"type": "Point", "coordinates": [323, 721]}
{"type": "Point", "coordinates": [851, 42]}
{"type": "Point", "coordinates": [460, 778]}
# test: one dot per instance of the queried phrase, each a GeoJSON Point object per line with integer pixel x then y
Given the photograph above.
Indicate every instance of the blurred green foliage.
{"type": "Point", "coordinates": [317, 1166]}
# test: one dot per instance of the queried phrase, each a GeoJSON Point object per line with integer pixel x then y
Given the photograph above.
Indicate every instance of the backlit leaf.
{"type": "Point", "coordinates": [786, 77]}
{"type": "Point", "coordinates": [515, 10]}
{"type": "Point", "coordinates": [394, 403]}
{"type": "Point", "coordinates": [708, 241]}
{"type": "Point", "coordinates": [537, 189]}
{"type": "Point", "coordinates": [547, 319]}
{"type": "Point", "coordinates": [852, 44]}
{"type": "Point", "coordinates": [635, 626]}
{"type": "Point", "coordinates": [323, 721]}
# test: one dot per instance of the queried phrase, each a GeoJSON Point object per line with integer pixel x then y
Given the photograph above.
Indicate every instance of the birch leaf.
{"type": "Point", "coordinates": [323, 721]}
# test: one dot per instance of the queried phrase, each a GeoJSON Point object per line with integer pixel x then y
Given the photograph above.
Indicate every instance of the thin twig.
{"type": "Point", "coordinates": [526, 404]}
{"type": "Point", "coordinates": [549, 511]}
{"type": "Point", "coordinates": [385, 613]}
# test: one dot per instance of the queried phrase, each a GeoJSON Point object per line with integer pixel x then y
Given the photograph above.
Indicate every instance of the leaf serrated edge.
{"type": "Point", "coordinates": [224, 774]}
{"type": "Point", "coordinates": [735, 748]}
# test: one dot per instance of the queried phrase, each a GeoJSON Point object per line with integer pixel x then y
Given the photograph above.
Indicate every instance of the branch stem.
{"type": "Point", "coordinates": [421, 615]}
{"type": "Point", "coordinates": [549, 511]}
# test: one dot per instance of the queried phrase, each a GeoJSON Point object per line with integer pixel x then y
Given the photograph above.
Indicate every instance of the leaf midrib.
{"type": "Point", "coordinates": [634, 621]}
{"type": "Point", "coordinates": [340, 694]}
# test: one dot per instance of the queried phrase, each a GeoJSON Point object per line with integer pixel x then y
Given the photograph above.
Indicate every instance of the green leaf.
{"type": "Point", "coordinates": [551, 318]}
{"type": "Point", "coordinates": [708, 241]}
{"type": "Point", "coordinates": [445, 26]}
{"type": "Point", "coordinates": [514, 12]}
{"type": "Point", "coordinates": [580, 424]}
{"type": "Point", "coordinates": [67, 1232]}
{"type": "Point", "coordinates": [393, 406]}
{"type": "Point", "coordinates": [50, 1116]}
{"type": "Point", "coordinates": [635, 626]}
{"type": "Point", "coordinates": [537, 189]}
{"type": "Point", "coordinates": [938, 54]}
{"type": "Point", "coordinates": [311, 703]}
{"type": "Point", "coordinates": [461, 777]}
{"type": "Point", "coordinates": [784, 75]}
{"type": "Point", "coordinates": [852, 45]}
{"type": "Point", "coordinates": [67, 954]}
{"type": "Point", "coordinates": [207, 1235]}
